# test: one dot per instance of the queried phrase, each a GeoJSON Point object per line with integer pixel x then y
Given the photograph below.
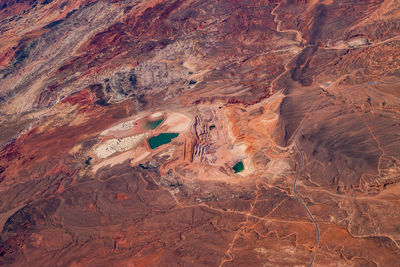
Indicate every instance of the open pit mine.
{"type": "Point", "coordinates": [199, 133]}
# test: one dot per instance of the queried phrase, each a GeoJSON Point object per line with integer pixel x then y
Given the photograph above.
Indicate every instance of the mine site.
{"type": "Point", "coordinates": [199, 133]}
{"type": "Point", "coordinates": [209, 142]}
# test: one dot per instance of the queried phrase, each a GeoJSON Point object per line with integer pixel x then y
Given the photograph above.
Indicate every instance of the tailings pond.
{"type": "Point", "coordinates": [161, 139]}
{"type": "Point", "coordinates": [238, 167]}
{"type": "Point", "coordinates": [153, 124]}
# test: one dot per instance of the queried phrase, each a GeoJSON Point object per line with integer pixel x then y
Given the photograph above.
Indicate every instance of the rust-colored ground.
{"type": "Point", "coordinates": [268, 83]}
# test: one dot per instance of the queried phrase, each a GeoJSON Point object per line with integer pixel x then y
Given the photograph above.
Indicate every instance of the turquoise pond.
{"type": "Point", "coordinates": [238, 167]}
{"type": "Point", "coordinates": [153, 124]}
{"type": "Point", "coordinates": [161, 139]}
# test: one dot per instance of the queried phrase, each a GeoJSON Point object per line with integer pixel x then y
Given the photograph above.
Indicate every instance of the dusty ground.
{"type": "Point", "coordinates": [239, 81]}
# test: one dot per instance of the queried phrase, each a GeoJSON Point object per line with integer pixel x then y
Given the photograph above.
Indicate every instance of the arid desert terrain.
{"type": "Point", "coordinates": [199, 133]}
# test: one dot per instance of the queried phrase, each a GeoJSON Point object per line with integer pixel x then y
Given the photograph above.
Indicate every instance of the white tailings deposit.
{"type": "Point", "coordinates": [119, 127]}
{"type": "Point", "coordinates": [112, 146]}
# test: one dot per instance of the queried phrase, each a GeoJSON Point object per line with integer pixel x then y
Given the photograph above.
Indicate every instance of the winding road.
{"type": "Point", "coordinates": [298, 197]}
{"type": "Point", "coordinates": [301, 41]}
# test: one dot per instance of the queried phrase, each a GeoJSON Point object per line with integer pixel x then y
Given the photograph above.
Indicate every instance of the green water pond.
{"type": "Point", "coordinates": [153, 124]}
{"type": "Point", "coordinates": [238, 167]}
{"type": "Point", "coordinates": [161, 139]}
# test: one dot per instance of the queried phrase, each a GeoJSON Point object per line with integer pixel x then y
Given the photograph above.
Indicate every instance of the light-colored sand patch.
{"type": "Point", "coordinates": [169, 153]}
{"type": "Point", "coordinates": [75, 149]}
{"type": "Point", "coordinates": [112, 146]}
{"type": "Point", "coordinates": [261, 251]}
{"type": "Point", "coordinates": [238, 152]}
{"type": "Point", "coordinates": [135, 156]}
{"type": "Point", "coordinates": [156, 115]}
{"type": "Point", "coordinates": [358, 42]}
{"type": "Point", "coordinates": [278, 168]}
{"type": "Point", "coordinates": [139, 156]}
{"type": "Point", "coordinates": [126, 125]}
{"type": "Point", "coordinates": [177, 122]}
{"type": "Point", "coordinates": [113, 160]}
{"type": "Point", "coordinates": [5, 215]}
